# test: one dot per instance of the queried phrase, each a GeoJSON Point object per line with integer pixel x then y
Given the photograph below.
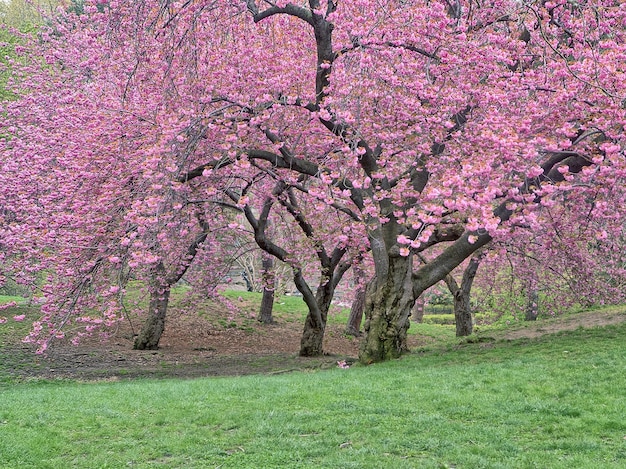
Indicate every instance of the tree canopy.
{"type": "Point", "coordinates": [415, 127]}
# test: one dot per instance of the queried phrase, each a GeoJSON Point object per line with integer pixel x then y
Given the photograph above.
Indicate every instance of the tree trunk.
{"type": "Point", "coordinates": [417, 314]}
{"type": "Point", "coordinates": [463, 314]}
{"type": "Point", "coordinates": [387, 310]}
{"type": "Point", "coordinates": [353, 327]}
{"type": "Point", "coordinates": [311, 343]}
{"type": "Point", "coordinates": [462, 296]}
{"type": "Point", "coordinates": [150, 334]}
{"type": "Point", "coordinates": [153, 327]}
{"type": "Point", "coordinates": [267, 301]}
{"type": "Point", "coordinates": [532, 307]}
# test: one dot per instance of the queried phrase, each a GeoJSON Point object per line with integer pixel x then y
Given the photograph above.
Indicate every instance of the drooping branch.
{"type": "Point", "coordinates": [189, 256]}
{"type": "Point", "coordinates": [289, 9]}
{"type": "Point", "coordinates": [259, 225]}
{"type": "Point", "coordinates": [470, 242]}
{"type": "Point", "coordinates": [368, 45]}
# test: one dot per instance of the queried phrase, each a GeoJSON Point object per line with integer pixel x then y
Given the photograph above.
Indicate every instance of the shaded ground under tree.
{"type": "Point", "coordinates": [192, 347]}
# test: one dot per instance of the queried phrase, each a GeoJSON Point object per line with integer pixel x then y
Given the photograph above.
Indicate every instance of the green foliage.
{"type": "Point", "coordinates": [25, 15]}
{"type": "Point", "coordinates": [442, 308]}
{"type": "Point", "coordinates": [4, 299]}
{"type": "Point", "coordinates": [440, 298]}
{"type": "Point", "coordinates": [439, 319]}
{"type": "Point", "coordinates": [77, 6]}
{"type": "Point", "coordinates": [556, 402]}
{"type": "Point", "coordinates": [13, 289]}
{"type": "Point", "coordinates": [7, 52]}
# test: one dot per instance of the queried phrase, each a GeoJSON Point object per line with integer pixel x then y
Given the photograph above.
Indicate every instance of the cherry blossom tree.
{"type": "Point", "coordinates": [576, 258]}
{"type": "Point", "coordinates": [456, 126]}
{"type": "Point", "coordinates": [86, 199]}
{"type": "Point", "coordinates": [442, 125]}
{"type": "Point", "coordinates": [327, 245]}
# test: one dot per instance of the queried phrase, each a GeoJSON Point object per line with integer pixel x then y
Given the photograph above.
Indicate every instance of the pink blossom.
{"type": "Point", "coordinates": [403, 240]}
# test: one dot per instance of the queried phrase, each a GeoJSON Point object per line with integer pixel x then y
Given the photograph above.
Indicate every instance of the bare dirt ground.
{"type": "Point", "coordinates": [193, 347]}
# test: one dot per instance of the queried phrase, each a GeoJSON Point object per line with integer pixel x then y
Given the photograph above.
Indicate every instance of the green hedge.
{"type": "Point", "coordinates": [448, 319]}
{"type": "Point", "coordinates": [439, 319]}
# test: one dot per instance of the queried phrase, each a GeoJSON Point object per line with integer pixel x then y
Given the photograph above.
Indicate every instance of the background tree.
{"type": "Point", "coordinates": [462, 296]}
{"type": "Point", "coordinates": [353, 326]}
{"type": "Point", "coordinates": [333, 259]}
{"type": "Point", "coordinates": [269, 286]}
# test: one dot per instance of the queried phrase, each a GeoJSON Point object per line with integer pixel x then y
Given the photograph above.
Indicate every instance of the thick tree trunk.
{"type": "Point", "coordinates": [387, 310]}
{"type": "Point", "coordinates": [153, 327]}
{"type": "Point", "coordinates": [311, 343]}
{"type": "Point", "coordinates": [353, 327]}
{"type": "Point", "coordinates": [463, 314]}
{"type": "Point", "coordinates": [267, 301]}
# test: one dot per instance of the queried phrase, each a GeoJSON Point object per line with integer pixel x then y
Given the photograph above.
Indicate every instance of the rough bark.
{"type": "Point", "coordinates": [311, 343]}
{"type": "Point", "coordinates": [267, 301]}
{"type": "Point", "coordinates": [463, 314]}
{"type": "Point", "coordinates": [387, 310]}
{"type": "Point", "coordinates": [153, 327]}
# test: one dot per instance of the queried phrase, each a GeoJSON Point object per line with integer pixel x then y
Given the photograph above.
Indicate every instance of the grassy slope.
{"type": "Point", "coordinates": [555, 402]}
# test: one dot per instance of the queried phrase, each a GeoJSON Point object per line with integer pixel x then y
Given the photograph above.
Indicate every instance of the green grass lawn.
{"type": "Point", "coordinates": [286, 307]}
{"type": "Point", "coordinates": [554, 402]}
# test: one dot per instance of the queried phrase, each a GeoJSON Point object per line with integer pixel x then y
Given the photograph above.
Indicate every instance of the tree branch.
{"type": "Point", "coordinates": [290, 9]}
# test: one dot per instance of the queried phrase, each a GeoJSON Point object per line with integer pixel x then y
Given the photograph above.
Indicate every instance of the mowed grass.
{"type": "Point", "coordinates": [554, 402]}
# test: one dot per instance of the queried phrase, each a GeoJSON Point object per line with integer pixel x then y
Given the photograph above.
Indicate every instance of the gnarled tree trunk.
{"type": "Point", "coordinates": [387, 310]}
{"type": "Point", "coordinates": [311, 343]}
{"type": "Point", "coordinates": [153, 327]}
{"type": "Point", "coordinates": [390, 298]}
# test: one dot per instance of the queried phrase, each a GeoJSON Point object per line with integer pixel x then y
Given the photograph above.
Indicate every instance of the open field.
{"type": "Point", "coordinates": [544, 399]}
